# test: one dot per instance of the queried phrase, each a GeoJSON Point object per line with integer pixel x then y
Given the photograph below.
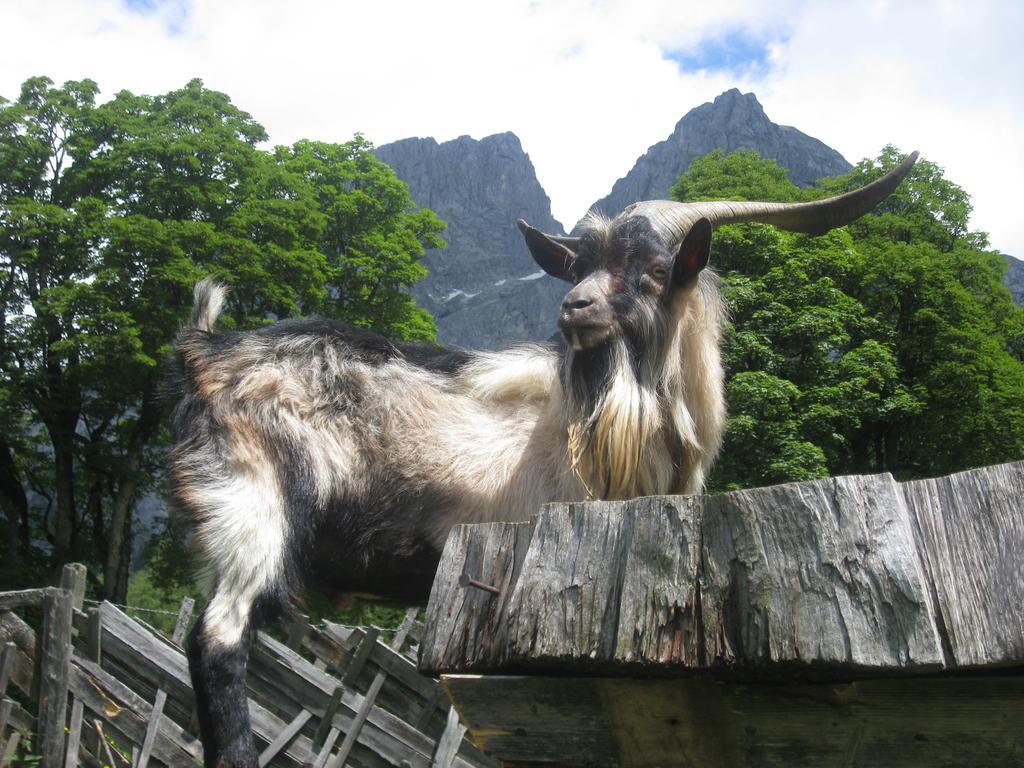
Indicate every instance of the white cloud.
{"type": "Point", "coordinates": [586, 85]}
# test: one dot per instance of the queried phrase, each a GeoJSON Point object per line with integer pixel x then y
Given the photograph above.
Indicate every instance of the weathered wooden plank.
{"type": "Point", "coordinates": [362, 653]}
{"type": "Point", "coordinates": [152, 727]}
{"type": "Point", "coordinates": [599, 584]}
{"type": "Point", "coordinates": [838, 576]}
{"type": "Point", "coordinates": [970, 533]}
{"type": "Point", "coordinates": [451, 738]}
{"type": "Point", "coordinates": [74, 733]}
{"type": "Point", "coordinates": [325, 749]}
{"type": "Point", "coordinates": [6, 663]}
{"type": "Point", "coordinates": [282, 739]}
{"type": "Point", "coordinates": [22, 598]}
{"type": "Point", "coordinates": [323, 730]}
{"type": "Point", "coordinates": [130, 713]}
{"type": "Point", "coordinates": [181, 623]}
{"type": "Point", "coordinates": [10, 747]}
{"type": "Point", "coordinates": [920, 722]}
{"type": "Point", "coordinates": [466, 623]}
{"type": "Point", "coordinates": [72, 578]}
{"type": "Point", "coordinates": [823, 571]}
{"type": "Point", "coordinates": [54, 660]}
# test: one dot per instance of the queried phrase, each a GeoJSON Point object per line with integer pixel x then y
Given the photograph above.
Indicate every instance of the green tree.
{"type": "Point", "coordinates": [738, 175]}
{"type": "Point", "coordinates": [885, 345]}
{"type": "Point", "coordinates": [109, 213]}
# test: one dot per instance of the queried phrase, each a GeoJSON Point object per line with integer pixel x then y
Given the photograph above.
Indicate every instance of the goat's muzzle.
{"type": "Point", "coordinates": [585, 318]}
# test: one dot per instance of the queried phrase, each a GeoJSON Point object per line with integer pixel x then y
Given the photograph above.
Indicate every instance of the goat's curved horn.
{"type": "Point", "coordinates": [813, 218]}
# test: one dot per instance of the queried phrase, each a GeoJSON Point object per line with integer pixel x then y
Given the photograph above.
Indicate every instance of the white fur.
{"type": "Point", "coordinates": [243, 535]}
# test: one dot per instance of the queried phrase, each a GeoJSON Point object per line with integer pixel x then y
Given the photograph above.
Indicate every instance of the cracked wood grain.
{"type": "Point", "coordinates": [839, 576]}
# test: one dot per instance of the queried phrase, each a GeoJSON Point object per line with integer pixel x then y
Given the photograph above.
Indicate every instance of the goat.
{"type": "Point", "coordinates": [311, 452]}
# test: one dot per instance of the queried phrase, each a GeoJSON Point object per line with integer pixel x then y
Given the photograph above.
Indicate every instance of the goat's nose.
{"type": "Point", "coordinates": [576, 303]}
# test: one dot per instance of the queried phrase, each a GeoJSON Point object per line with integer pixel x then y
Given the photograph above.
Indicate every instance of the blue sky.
{"type": "Point", "coordinates": [736, 52]}
{"type": "Point", "coordinates": [587, 85]}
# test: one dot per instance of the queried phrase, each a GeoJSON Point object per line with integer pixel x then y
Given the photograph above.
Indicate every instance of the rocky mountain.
{"type": "Point", "coordinates": [732, 121]}
{"type": "Point", "coordinates": [484, 289]}
{"type": "Point", "coordinates": [1014, 278]}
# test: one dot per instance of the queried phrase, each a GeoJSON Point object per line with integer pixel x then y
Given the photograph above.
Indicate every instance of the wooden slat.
{"type": "Point", "coordinates": [322, 731]}
{"type": "Point", "coordinates": [422, 722]}
{"type": "Point", "coordinates": [74, 734]}
{"type": "Point", "coordinates": [371, 695]}
{"type": "Point", "coordinates": [9, 749]}
{"type": "Point", "coordinates": [152, 727]}
{"type": "Point", "coordinates": [181, 623]}
{"type": "Point", "coordinates": [325, 750]}
{"type": "Point", "coordinates": [130, 713]}
{"type": "Point", "coordinates": [6, 662]}
{"type": "Point", "coordinates": [284, 737]}
{"type": "Point", "coordinates": [362, 653]}
{"type": "Point", "coordinates": [451, 738]}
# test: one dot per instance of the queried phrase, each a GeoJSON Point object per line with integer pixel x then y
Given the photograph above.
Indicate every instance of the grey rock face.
{"type": "Point", "coordinates": [1014, 278]}
{"type": "Point", "coordinates": [484, 288]}
{"type": "Point", "coordinates": [733, 121]}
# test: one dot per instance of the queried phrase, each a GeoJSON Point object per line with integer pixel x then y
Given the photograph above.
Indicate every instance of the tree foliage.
{"type": "Point", "coordinates": [109, 213]}
{"type": "Point", "coordinates": [888, 345]}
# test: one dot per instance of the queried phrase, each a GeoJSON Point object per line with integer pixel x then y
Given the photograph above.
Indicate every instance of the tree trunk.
{"type": "Point", "coordinates": [64, 475]}
{"type": "Point", "coordinates": [115, 572]}
{"type": "Point", "coordinates": [14, 503]}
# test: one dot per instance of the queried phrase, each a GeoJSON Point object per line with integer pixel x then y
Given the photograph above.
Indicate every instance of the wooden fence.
{"type": "Point", "coordinates": [100, 688]}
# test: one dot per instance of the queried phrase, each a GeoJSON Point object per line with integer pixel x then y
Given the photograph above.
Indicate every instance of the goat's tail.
{"type": "Point", "coordinates": [207, 302]}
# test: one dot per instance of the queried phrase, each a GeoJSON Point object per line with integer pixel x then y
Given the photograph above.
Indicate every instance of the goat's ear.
{"type": "Point", "coordinates": [693, 254]}
{"type": "Point", "coordinates": [551, 256]}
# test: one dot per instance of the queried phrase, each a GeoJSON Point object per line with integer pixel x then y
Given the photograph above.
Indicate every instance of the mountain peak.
{"type": "Point", "coordinates": [480, 187]}
{"type": "Point", "coordinates": [732, 121]}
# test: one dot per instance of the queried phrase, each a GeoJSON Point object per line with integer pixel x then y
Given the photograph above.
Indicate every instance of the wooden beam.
{"type": "Point", "coordinates": [72, 578]}
{"type": "Point", "coordinates": [635, 723]}
{"type": "Point", "coordinates": [54, 661]}
{"type": "Point", "coordinates": [839, 577]}
{"type": "Point", "coordinates": [22, 598]}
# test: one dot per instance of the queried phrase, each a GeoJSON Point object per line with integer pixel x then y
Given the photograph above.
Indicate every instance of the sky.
{"type": "Point", "coordinates": [587, 86]}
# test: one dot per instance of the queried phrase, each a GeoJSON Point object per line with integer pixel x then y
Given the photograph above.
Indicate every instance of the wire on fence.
{"type": "Point", "coordinates": [133, 607]}
{"type": "Point", "coordinates": [321, 625]}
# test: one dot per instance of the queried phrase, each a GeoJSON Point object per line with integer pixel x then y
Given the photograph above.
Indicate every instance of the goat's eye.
{"type": "Point", "coordinates": [659, 273]}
